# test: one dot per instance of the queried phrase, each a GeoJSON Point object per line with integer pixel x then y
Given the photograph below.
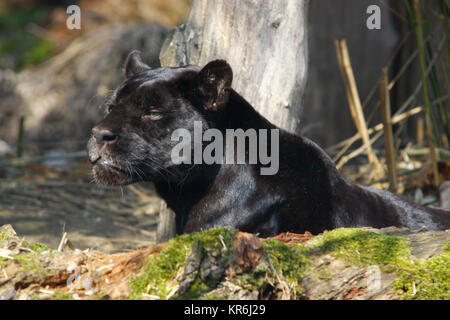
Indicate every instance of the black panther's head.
{"type": "Point", "coordinates": [133, 142]}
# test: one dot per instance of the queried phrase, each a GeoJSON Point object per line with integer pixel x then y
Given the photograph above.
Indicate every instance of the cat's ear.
{"type": "Point", "coordinates": [214, 82]}
{"type": "Point", "coordinates": [134, 64]}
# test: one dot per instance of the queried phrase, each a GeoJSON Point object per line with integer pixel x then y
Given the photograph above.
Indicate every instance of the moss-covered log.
{"type": "Point", "coordinates": [222, 263]}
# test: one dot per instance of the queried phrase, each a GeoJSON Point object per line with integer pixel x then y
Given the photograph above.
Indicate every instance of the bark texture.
{"type": "Point", "coordinates": [343, 264]}
{"type": "Point", "coordinates": [265, 42]}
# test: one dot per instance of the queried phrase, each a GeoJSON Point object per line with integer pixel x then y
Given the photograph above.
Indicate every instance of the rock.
{"type": "Point", "coordinates": [62, 97]}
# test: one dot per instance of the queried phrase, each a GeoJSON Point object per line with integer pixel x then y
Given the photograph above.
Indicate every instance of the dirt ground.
{"type": "Point", "coordinates": [42, 201]}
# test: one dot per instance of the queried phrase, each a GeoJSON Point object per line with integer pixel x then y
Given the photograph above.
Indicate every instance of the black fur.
{"type": "Point", "coordinates": [133, 144]}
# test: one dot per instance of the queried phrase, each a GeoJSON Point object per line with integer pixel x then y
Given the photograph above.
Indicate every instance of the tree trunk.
{"type": "Point", "coordinates": [265, 42]}
{"type": "Point", "coordinates": [266, 45]}
{"type": "Point", "coordinates": [166, 225]}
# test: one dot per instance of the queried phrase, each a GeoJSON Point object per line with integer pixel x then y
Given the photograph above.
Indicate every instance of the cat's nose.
{"type": "Point", "coordinates": [104, 136]}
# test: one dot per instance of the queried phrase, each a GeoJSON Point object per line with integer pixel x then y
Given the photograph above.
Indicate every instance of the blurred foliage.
{"type": "Point", "coordinates": [430, 23]}
{"type": "Point", "coordinates": [19, 45]}
{"type": "Point", "coordinates": [33, 30]}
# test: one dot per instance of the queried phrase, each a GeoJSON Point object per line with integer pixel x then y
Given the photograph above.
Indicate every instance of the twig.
{"type": "Point", "coordinates": [346, 144]}
{"type": "Point", "coordinates": [62, 243]}
{"type": "Point", "coordinates": [419, 132]}
{"type": "Point", "coordinates": [355, 102]}
{"type": "Point", "coordinates": [431, 140]}
{"type": "Point", "coordinates": [356, 152]}
{"type": "Point", "coordinates": [395, 119]}
{"type": "Point", "coordinates": [388, 136]}
{"type": "Point", "coordinates": [402, 70]}
{"type": "Point", "coordinates": [394, 11]}
{"type": "Point", "coordinates": [20, 136]}
{"type": "Point", "coordinates": [401, 173]}
{"type": "Point", "coordinates": [445, 154]}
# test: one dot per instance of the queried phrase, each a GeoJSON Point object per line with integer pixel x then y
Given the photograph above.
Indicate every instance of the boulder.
{"type": "Point", "coordinates": [62, 98]}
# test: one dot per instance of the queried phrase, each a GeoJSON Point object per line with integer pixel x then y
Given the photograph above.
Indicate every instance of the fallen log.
{"type": "Point", "coordinates": [358, 263]}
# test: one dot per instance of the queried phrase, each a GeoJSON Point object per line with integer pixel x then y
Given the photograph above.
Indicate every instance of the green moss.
{"type": "Point", "coordinates": [417, 279]}
{"type": "Point", "coordinates": [360, 247]}
{"type": "Point", "coordinates": [196, 290]}
{"type": "Point", "coordinates": [447, 247]}
{"type": "Point", "coordinates": [425, 279]}
{"type": "Point", "coordinates": [289, 262]}
{"type": "Point", "coordinates": [27, 266]}
{"type": "Point", "coordinates": [160, 269]}
{"type": "Point", "coordinates": [30, 262]}
{"type": "Point", "coordinates": [4, 262]}
{"type": "Point", "coordinates": [325, 275]}
{"type": "Point", "coordinates": [286, 259]}
{"type": "Point", "coordinates": [35, 246]}
{"type": "Point", "coordinates": [280, 263]}
{"type": "Point", "coordinates": [60, 295]}
{"type": "Point", "coordinates": [158, 277]}
{"type": "Point", "coordinates": [253, 279]}
{"type": "Point", "coordinates": [11, 236]}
